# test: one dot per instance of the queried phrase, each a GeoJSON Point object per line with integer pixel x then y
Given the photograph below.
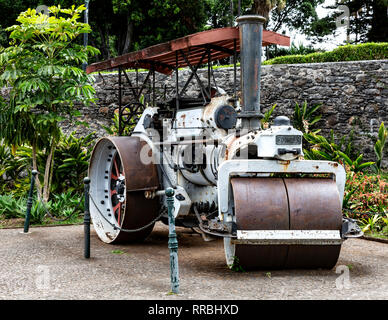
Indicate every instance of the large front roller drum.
{"type": "Point", "coordinates": [119, 177]}
{"type": "Point", "coordinates": [285, 204]}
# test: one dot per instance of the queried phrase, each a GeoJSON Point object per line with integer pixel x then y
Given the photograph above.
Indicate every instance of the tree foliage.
{"type": "Point", "coordinates": [124, 26]}
{"type": "Point", "coordinates": [368, 19]}
{"type": "Point", "coordinates": [41, 66]}
{"type": "Point", "coordinates": [301, 15]}
{"type": "Point", "coordinates": [128, 25]}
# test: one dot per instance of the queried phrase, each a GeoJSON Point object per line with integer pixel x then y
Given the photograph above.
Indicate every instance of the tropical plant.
{"type": "Point", "coordinates": [304, 117]}
{"type": "Point", "coordinates": [38, 212]}
{"type": "Point", "coordinates": [64, 203]}
{"type": "Point", "coordinates": [11, 207]}
{"type": "Point", "coordinates": [72, 160]}
{"type": "Point", "coordinates": [40, 66]}
{"type": "Point", "coordinates": [9, 169]}
{"type": "Point", "coordinates": [379, 147]}
{"type": "Point", "coordinates": [265, 121]}
{"type": "Point", "coordinates": [370, 223]}
{"type": "Point", "coordinates": [385, 226]}
{"type": "Point", "coordinates": [324, 149]}
{"type": "Point", "coordinates": [355, 165]}
{"type": "Point", "coordinates": [70, 167]}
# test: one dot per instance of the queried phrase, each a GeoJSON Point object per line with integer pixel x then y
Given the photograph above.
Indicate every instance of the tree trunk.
{"type": "Point", "coordinates": [128, 37]}
{"type": "Point", "coordinates": [105, 43]}
{"type": "Point", "coordinates": [35, 167]}
{"type": "Point", "coordinates": [261, 7]}
{"type": "Point", "coordinates": [48, 172]}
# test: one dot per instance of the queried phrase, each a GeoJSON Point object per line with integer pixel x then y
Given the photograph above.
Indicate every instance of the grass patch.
{"type": "Point", "coordinates": [236, 266]}
{"type": "Point", "coordinates": [118, 252]}
{"type": "Point", "coordinates": [19, 223]}
{"type": "Point", "coordinates": [377, 235]}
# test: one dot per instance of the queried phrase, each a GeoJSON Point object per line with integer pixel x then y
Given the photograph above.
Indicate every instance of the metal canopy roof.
{"type": "Point", "coordinates": [219, 43]}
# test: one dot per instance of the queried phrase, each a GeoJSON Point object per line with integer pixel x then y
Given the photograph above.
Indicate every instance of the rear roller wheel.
{"type": "Point", "coordinates": [118, 181]}
{"type": "Point", "coordinates": [285, 204]}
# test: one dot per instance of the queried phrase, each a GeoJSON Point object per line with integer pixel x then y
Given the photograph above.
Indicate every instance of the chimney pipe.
{"type": "Point", "coordinates": [251, 37]}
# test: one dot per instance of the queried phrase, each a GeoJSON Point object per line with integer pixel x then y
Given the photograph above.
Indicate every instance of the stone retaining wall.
{"type": "Point", "coordinates": [354, 95]}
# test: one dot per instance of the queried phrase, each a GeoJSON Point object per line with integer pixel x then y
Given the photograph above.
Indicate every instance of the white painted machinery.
{"type": "Point", "coordinates": [232, 179]}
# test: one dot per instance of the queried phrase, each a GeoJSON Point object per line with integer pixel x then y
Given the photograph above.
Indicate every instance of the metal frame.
{"type": "Point", "coordinates": [189, 51]}
{"type": "Point", "coordinates": [137, 107]}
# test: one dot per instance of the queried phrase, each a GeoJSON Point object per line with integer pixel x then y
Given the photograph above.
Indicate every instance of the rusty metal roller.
{"type": "Point", "coordinates": [286, 204]}
{"type": "Point", "coordinates": [118, 181]}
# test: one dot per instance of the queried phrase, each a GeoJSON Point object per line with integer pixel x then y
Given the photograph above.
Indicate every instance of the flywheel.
{"type": "Point", "coordinates": [285, 204]}
{"type": "Point", "coordinates": [119, 179]}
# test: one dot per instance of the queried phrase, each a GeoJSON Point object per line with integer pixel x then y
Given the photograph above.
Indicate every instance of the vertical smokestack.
{"type": "Point", "coordinates": [251, 36]}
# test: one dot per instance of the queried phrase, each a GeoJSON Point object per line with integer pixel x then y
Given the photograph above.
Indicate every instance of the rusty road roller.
{"type": "Point", "coordinates": [232, 179]}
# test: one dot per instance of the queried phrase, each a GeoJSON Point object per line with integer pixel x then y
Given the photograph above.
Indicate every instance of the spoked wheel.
{"type": "Point", "coordinates": [119, 179]}
{"type": "Point", "coordinates": [117, 188]}
{"type": "Point", "coordinates": [285, 204]}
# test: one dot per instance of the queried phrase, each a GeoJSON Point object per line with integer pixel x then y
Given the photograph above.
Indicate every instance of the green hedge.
{"type": "Point", "coordinates": [364, 51]}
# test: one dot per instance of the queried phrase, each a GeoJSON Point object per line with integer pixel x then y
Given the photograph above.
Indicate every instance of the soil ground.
{"type": "Point", "coordinates": [48, 263]}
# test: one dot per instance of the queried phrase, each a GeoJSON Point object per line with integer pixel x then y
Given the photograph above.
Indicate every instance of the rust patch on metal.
{"type": "Point", "coordinates": [285, 164]}
{"type": "Point", "coordinates": [183, 118]}
{"type": "Point", "coordinates": [261, 204]}
{"type": "Point", "coordinates": [229, 146]}
{"type": "Point", "coordinates": [286, 204]}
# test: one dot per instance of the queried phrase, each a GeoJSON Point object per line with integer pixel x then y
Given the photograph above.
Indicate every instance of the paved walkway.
{"type": "Point", "coordinates": [48, 263]}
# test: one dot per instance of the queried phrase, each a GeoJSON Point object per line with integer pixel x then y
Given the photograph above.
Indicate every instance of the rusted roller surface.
{"type": "Point", "coordinates": [261, 204]}
{"type": "Point", "coordinates": [118, 181]}
{"type": "Point", "coordinates": [286, 204]}
{"type": "Point", "coordinates": [314, 205]}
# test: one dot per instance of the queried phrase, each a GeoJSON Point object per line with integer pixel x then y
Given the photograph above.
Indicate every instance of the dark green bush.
{"type": "Point", "coordinates": [276, 51]}
{"type": "Point", "coordinates": [364, 51]}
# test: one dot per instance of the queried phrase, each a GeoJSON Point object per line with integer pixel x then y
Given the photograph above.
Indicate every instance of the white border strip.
{"type": "Point", "coordinates": [306, 237]}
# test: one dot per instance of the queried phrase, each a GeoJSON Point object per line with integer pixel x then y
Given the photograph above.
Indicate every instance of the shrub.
{"type": "Point", "coordinates": [70, 167]}
{"type": "Point", "coordinates": [364, 51]}
{"type": "Point", "coordinates": [275, 51]}
{"type": "Point", "coordinates": [72, 160]}
{"type": "Point", "coordinates": [61, 206]}
{"type": "Point", "coordinates": [365, 193]}
{"type": "Point", "coordinates": [11, 207]}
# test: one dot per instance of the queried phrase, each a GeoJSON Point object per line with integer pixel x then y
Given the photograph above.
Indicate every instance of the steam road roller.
{"type": "Point", "coordinates": [232, 178]}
